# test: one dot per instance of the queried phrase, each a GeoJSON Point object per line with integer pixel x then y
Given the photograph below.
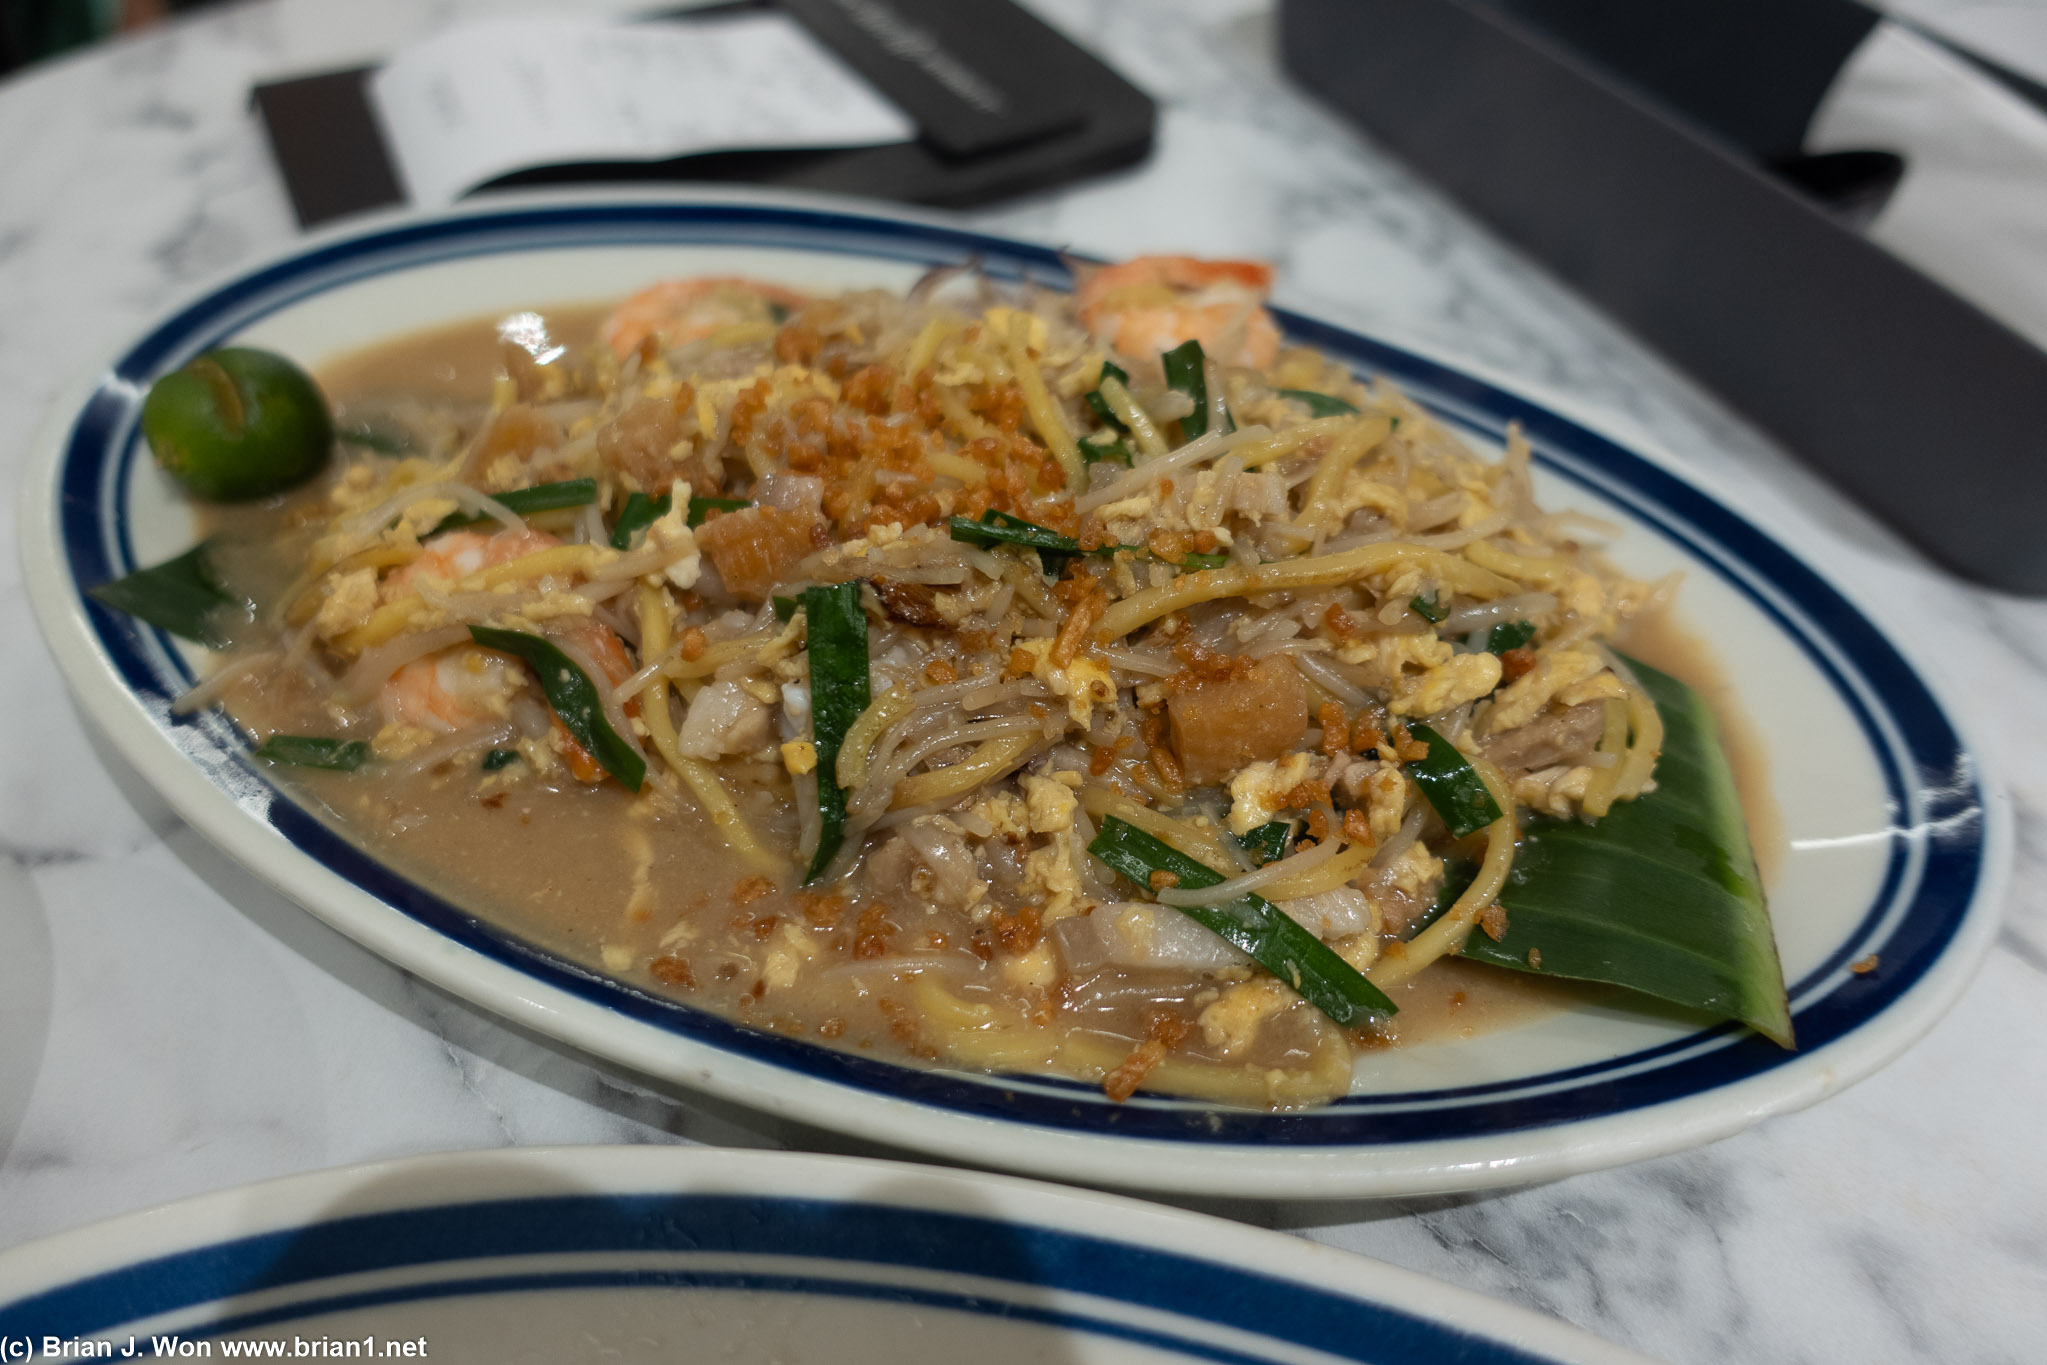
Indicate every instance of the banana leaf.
{"type": "Point", "coordinates": [1661, 896]}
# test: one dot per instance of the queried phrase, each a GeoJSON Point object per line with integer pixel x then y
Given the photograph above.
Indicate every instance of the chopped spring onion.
{"type": "Point", "coordinates": [638, 513]}
{"type": "Point", "coordinates": [1429, 608]}
{"type": "Point", "coordinates": [785, 607]}
{"type": "Point", "coordinates": [838, 694]}
{"type": "Point", "coordinates": [1319, 404]}
{"type": "Point", "coordinates": [1194, 563]}
{"type": "Point", "coordinates": [1452, 785]}
{"type": "Point", "coordinates": [182, 596]}
{"type": "Point", "coordinates": [574, 698]}
{"type": "Point", "coordinates": [499, 758]}
{"type": "Point", "coordinates": [315, 751]}
{"type": "Point", "coordinates": [1108, 446]}
{"type": "Point", "coordinates": [541, 497]}
{"type": "Point", "coordinates": [1187, 370]}
{"type": "Point", "coordinates": [1273, 939]}
{"type": "Point", "coordinates": [1509, 635]}
{"type": "Point", "coordinates": [1269, 842]}
{"type": "Point", "coordinates": [699, 508]}
{"type": "Point", "coordinates": [1100, 405]}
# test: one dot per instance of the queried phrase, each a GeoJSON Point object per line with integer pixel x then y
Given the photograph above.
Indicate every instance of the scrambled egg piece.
{"type": "Point", "coordinates": [799, 756]}
{"type": "Point", "coordinates": [1459, 679]}
{"type": "Point", "coordinates": [1232, 1023]}
{"type": "Point", "coordinates": [1387, 658]}
{"type": "Point", "coordinates": [1051, 878]}
{"type": "Point", "coordinates": [785, 961]}
{"type": "Point", "coordinates": [1006, 815]}
{"type": "Point", "coordinates": [1258, 792]}
{"type": "Point", "coordinates": [1050, 804]}
{"type": "Point", "coordinates": [351, 601]}
{"type": "Point", "coordinates": [1598, 687]}
{"type": "Point", "coordinates": [671, 535]}
{"type": "Point", "coordinates": [1085, 683]}
{"type": "Point", "coordinates": [1385, 801]}
{"type": "Point", "coordinates": [1553, 791]}
{"type": "Point", "coordinates": [1524, 699]}
{"type": "Point", "coordinates": [1416, 871]}
{"type": "Point", "coordinates": [1036, 969]}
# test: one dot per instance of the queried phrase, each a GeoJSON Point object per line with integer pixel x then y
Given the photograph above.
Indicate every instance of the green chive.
{"type": "Point", "coordinates": [1194, 563]}
{"type": "Point", "coordinates": [699, 508]}
{"type": "Point", "coordinates": [1187, 370]}
{"type": "Point", "coordinates": [1269, 842]}
{"type": "Point", "coordinates": [1318, 404]}
{"type": "Point", "coordinates": [1509, 635]}
{"type": "Point", "coordinates": [499, 758]}
{"type": "Point", "coordinates": [1273, 939]}
{"type": "Point", "coordinates": [524, 502]}
{"type": "Point", "coordinates": [1428, 608]}
{"type": "Point", "coordinates": [1108, 446]}
{"type": "Point", "coordinates": [315, 751]}
{"type": "Point", "coordinates": [837, 630]}
{"type": "Point", "coordinates": [1099, 404]}
{"type": "Point", "coordinates": [1452, 785]}
{"type": "Point", "coordinates": [575, 700]}
{"type": "Point", "coordinates": [785, 607]}
{"type": "Point", "coordinates": [638, 513]}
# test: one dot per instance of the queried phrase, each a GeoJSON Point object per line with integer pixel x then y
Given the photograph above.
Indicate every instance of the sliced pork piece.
{"type": "Point", "coordinates": [1558, 736]}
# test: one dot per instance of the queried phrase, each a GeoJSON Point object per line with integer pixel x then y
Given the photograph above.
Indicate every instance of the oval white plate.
{"type": "Point", "coordinates": [644, 1253]}
{"type": "Point", "coordinates": [1899, 844]}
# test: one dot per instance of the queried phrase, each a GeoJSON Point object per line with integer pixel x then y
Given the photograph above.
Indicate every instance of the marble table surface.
{"type": "Point", "coordinates": [169, 1026]}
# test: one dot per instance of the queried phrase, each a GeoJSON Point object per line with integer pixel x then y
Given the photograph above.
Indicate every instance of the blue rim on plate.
{"type": "Point", "coordinates": [1940, 846]}
{"type": "Point", "coordinates": [1066, 1265]}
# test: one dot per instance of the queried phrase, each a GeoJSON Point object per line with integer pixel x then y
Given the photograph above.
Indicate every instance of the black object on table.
{"type": "Point", "coordinates": [1004, 105]}
{"type": "Point", "coordinates": [1658, 170]}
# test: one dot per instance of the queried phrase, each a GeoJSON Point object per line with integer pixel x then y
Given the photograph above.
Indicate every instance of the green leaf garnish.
{"type": "Point", "coordinates": [837, 630]}
{"type": "Point", "coordinates": [181, 595]}
{"type": "Point", "coordinates": [1452, 785]}
{"type": "Point", "coordinates": [315, 751]}
{"type": "Point", "coordinates": [1274, 940]}
{"type": "Point", "coordinates": [575, 700]}
{"type": "Point", "coordinates": [1661, 895]}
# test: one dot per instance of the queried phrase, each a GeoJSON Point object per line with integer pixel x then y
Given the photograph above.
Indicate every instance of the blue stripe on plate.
{"type": "Point", "coordinates": [749, 1225]}
{"type": "Point", "coordinates": [1935, 858]}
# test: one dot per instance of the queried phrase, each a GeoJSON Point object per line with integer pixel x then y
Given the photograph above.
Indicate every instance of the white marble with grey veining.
{"type": "Point", "coordinates": [168, 1025]}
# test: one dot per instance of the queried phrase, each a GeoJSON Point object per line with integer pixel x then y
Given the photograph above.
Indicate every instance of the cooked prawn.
{"type": "Point", "coordinates": [601, 645]}
{"type": "Point", "coordinates": [1152, 304]}
{"type": "Point", "coordinates": [688, 310]}
{"type": "Point", "coordinates": [457, 554]}
{"type": "Point", "coordinates": [456, 689]}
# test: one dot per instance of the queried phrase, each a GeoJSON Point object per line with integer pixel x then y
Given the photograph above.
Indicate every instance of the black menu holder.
{"type": "Point", "coordinates": [1654, 201]}
{"type": "Point", "coordinates": [1004, 104]}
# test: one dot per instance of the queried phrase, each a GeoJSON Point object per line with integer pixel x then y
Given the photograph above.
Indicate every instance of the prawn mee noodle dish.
{"type": "Point", "coordinates": [984, 676]}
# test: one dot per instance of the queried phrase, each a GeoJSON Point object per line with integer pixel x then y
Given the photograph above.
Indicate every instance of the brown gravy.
{"type": "Point", "coordinates": [610, 882]}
